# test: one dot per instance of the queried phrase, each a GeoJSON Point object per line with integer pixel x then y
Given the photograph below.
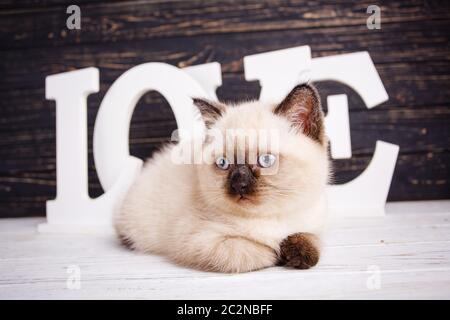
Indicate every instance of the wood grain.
{"type": "Point", "coordinates": [410, 52]}
{"type": "Point", "coordinates": [110, 21]}
{"type": "Point", "coordinates": [409, 252]}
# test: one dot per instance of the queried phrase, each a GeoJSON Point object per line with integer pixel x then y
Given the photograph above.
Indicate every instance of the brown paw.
{"type": "Point", "coordinates": [300, 251]}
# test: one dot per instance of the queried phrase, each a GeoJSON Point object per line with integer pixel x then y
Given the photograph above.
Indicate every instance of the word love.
{"type": "Point", "coordinates": [277, 72]}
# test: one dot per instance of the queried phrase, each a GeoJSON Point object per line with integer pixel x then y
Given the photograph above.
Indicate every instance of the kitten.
{"type": "Point", "coordinates": [228, 215]}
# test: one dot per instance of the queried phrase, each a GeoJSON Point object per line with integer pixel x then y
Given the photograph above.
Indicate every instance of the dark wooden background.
{"type": "Point", "coordinates": [411, 53]}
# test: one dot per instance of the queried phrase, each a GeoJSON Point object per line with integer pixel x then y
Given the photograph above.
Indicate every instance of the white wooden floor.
{"type": "Point", "coordinates": [403, 255]}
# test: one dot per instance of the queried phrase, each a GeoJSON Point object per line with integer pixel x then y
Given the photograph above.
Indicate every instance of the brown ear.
{"type": "Point", "coordinates": [210, 111]}
{"type": "Point", "coordinates": [303, 109]}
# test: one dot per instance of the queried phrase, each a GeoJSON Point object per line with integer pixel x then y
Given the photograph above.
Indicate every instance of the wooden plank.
{"type": "Point", "coordinates": [13, 6]}
{"type": "Point", "coordinates": [138, 20]}
{"type": "Point", "coordinates": [416, 284]}
{"type": "Point", "coordinates": [39, 5]}
{"type": "Point", "coordinates": [414, 262]}
{"type": "Point", "coordinates": [28, 68]}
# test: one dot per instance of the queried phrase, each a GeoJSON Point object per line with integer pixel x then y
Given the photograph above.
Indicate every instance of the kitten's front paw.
{"type": "Point", "coordinates": [300, 251]}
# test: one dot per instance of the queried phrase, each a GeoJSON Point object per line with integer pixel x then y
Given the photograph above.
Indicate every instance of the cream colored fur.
{"type": "Point", "coordinates": [182, 211]}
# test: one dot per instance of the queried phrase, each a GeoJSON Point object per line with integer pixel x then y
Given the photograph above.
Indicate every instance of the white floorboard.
{"type": "Point", "coordinates": [403, 255]}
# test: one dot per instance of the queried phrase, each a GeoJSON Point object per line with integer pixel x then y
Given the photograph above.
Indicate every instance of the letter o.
{"type": "Point", "coordinates": [112, 125]}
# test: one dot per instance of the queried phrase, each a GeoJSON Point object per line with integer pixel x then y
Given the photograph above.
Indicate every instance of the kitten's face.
{"type": "Point", "coordinates": [261, 158]}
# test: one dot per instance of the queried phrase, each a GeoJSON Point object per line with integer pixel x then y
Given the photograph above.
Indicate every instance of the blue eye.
{"type": "Point", "coordinates": [222, 163]}
{"type": "Point", "coordinates": [266, 160]}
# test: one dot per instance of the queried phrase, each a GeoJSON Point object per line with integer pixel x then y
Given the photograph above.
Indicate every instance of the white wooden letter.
{"type": "Point", "coordinates": [278, 71]}
{"type": "Point", "coordinates": [73, 210]}
{"type": "Point", "coordinates": [70, 90]}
